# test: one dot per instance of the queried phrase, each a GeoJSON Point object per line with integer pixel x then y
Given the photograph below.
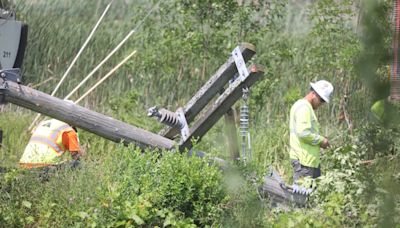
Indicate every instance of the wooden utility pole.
{"type": "Point", "coordinates": [211, 88]}
{"type": "Point", "coordinates": [80, 117]}
{"type": "Point", "coordinates": [221, 106]}
{"type": "Point", "coordinates": [231, 134]}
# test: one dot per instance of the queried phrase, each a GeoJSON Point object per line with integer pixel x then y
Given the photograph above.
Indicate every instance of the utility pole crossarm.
{"type": "Point", "coordinates": [221, 106]}
{"type": "Point", "coordinates": [80, 117]}
{"type": "Point", "coordinates": [211, 88]}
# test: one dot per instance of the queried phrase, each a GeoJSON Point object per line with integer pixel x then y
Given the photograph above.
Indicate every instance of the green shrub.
{"type": "Point", "coordinates": [125, 187]}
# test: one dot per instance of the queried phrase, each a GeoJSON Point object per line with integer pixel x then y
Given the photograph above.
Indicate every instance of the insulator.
{"type": "Point", "coordinates": [169, 118]}
{"type": "Point", "coordinates": [244, 120]}
{"type": "Point", "coordinates": [244, 127]}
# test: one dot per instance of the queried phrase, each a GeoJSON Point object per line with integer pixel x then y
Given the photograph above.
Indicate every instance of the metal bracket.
{"type": "Point", "coordinates": [184, 125]}
{"type": "Point", "coordinates": [13, 74]}
{"type": "Point", "coordinates": [245, 95]}
{"type": "Point", "coordinates": [7, 14]}
{"type": "Point", "coordinates": [240, 63]}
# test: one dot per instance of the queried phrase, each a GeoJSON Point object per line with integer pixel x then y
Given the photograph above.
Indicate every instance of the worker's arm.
{"type": "Point", "coordinates": [70, 141]}
{"type": "Point", "coordinates": [304, 128]}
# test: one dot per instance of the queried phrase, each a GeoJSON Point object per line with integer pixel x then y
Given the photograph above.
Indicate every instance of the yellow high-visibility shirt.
{"type": "Point", "coordinates": [378, 109]}
{"type": "Point", "coordinates": [46, 145]}
{"type": "Point", "coordinates": [305, 139]}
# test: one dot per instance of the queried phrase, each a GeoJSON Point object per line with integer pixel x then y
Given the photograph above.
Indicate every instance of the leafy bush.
{"type": "Point", "coordinates": [125, 188]}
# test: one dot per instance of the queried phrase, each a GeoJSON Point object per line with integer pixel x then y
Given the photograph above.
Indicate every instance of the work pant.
{"type": "Point", "coordinates": [300, 171]}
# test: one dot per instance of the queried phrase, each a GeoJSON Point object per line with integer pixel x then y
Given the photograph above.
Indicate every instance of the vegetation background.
{"type": "Point", "coordinates": [180, 45]}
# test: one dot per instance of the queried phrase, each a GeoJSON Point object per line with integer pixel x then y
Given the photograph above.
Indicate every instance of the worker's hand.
{"type": "Point", "coordinates": [325, 143]}
{"type": "Point", "coordinates": [75, 155]}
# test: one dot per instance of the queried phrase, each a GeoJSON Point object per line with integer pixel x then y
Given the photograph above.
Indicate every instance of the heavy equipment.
{"type": "Point", "coordinates": [13, 39]}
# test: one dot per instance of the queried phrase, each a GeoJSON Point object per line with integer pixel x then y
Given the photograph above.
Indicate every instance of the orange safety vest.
{"type": "Point", "coordinates": [45, 148]}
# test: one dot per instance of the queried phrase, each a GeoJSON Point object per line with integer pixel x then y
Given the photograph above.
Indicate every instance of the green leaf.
{"type": "Point", "coordinates": [83, 214]}
{"type": "Point", "coordinates": [30, 219]}
{"type": "Point", "coordinates": [137, 219]}
{"type": "Point", "coordinates": [120, 223]}
{"type": "Point", "coordinates": [27, 204]}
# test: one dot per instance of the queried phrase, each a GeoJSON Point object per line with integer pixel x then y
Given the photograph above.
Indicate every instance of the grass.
{"type": "Point", "coordinates": [15, 136]}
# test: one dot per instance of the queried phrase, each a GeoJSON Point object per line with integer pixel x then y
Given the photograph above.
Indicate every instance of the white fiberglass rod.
{"type": "Point", "coordinates": [110, 54]}
{"type": "Point", "coordinates": [105, 77]}
{"type": "Point", "coordinates": [75, 59]}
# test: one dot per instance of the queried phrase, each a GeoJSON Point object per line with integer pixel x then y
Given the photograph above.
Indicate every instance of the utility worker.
{"type": "Point", "coordinates": [48, 145]}
{"type": "Point", "coordinates": [305, 137]}
{"type": "Point", "coordinates": [386, 111]}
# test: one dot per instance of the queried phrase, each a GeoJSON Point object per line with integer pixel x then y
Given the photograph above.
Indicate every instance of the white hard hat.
{"type": "Point", "coordinates": [323, 88]}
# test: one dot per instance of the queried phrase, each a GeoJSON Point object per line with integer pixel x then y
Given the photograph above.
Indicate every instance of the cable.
{"type": "Point", "coordinates": [111, 53]}
{"type": "Point", "coordinates": [74, 60]}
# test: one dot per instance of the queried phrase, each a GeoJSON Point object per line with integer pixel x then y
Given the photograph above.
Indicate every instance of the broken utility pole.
{"type": "Point", "coordinates": [12, 91]}
{"type": "Point", "coordinates": [211, 88]}
{"type": "Point", "coordinates": [221, 106]}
